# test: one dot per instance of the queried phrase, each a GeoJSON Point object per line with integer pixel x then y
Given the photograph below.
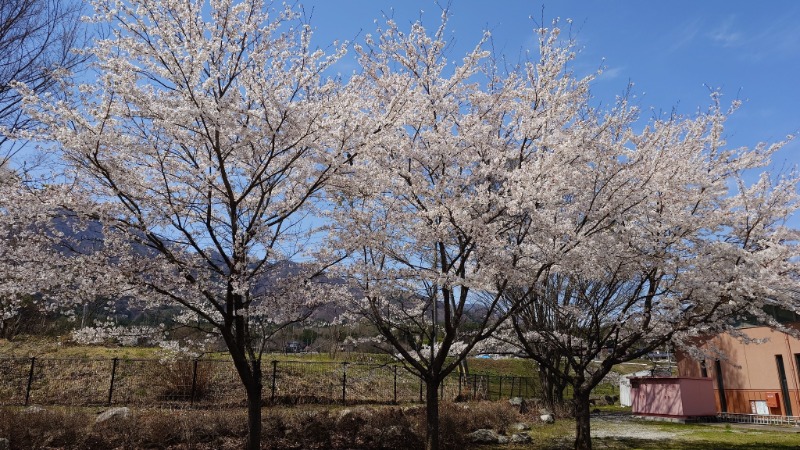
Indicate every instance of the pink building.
{"type": "Point", "coordinates": [673, 397]}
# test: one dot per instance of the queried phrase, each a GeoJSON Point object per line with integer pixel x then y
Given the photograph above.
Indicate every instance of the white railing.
{"type": "Point", "coordinates": [758, 419]}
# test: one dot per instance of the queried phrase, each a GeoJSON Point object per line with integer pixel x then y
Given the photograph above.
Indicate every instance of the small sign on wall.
{"type": "Point", "coordinates": [772, 399]}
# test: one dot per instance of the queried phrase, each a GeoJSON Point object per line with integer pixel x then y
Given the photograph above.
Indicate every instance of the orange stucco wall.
{"type": "Point", "coordinates": [750, 371]}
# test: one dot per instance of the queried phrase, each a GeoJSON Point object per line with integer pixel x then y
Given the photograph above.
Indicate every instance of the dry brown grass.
{"type": "Point", "coordinates": [284, 428]}
{"type": "Point", "coordinates": [75, 428]}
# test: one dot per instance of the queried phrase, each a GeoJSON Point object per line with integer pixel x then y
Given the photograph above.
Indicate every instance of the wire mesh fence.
{"type": "Point", "coordinates": [213, 383]}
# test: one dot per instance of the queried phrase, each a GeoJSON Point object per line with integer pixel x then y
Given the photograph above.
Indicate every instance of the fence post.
{"type": "Point", "coordinates": [513, 379]}
{"type": "Point", "coordinates": [474, 386]}
{"type": "Point", "coordinates": [344, 383]}
{"type": "Point", "coordinates": [395, 384]}
{"type": "Point", "coordinates": [460, 376]}
{"type": "Point", "coordinates": [500, 393]}
{"type": "Point", "coordinates": [420, 389]}
{"type": "Point", "coordinates": [113, 375]}
{"type": "Point", "coordinates": [30, 381]}
{"type": "Point", "coordinates": [274, 376]}
{"type": "Point", "coordinates": [194, 382]}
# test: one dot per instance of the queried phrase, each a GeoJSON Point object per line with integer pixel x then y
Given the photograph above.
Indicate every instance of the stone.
{"type": "Point", "coordinates": [484, 436]}
{"type": "Point", "coordinates": [547, 418]}
{"type": "Point", "coordinates": [352, 419]}
{"type": "Point", "coordinates": [34, 409]}
{"type": "Point", "coordinates": [519, 426]}
{"type": "Point", "coordinates": [520, 403]}
{"type": "Point", "coordinates": [609, 400]}
{"type": "Point", "coordinates": [521, 438]}
{"type": "Point", "coordinates": [113, 413]}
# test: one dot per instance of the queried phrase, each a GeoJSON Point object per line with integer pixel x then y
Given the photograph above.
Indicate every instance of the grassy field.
{"type": "Point", "coordinates": [664, 436]}
{"type": "Point", "coordinates": [489, 378]}
{"type": "Point", "coordinates": [30, 346]}
{"type": "Point", "coordinates": [700, 437]}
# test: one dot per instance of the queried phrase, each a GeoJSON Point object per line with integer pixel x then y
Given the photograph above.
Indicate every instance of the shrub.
{"type": "Point", "coordinates": [174, 379]}
{"type": "Point", "coordinates": [40, 428]}
{"type": "Point", "coordinates": [456, 420]}
{"type": "Point", "coordinates": [390, 428]}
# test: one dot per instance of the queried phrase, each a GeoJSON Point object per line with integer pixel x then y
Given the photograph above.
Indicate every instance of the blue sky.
{"type": "Point", "coordinates": [672, 51]}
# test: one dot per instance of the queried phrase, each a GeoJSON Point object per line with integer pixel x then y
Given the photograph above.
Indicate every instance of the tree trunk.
{"type": "Point", "coordinates": [583, 438]}
{"type": "Point", "coordinates": [254, 388]}
{"type": "Point", "coordinates": [250, 375]}
{"type": "Point", "coordinates": [432, 415]}
{"type": "Point", "coordinates": [544, 383]}
{"type": "Point", "coordinates": [552, 390]}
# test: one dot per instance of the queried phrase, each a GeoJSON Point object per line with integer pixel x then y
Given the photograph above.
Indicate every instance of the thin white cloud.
{"type": "Point", "coordinates": [726, 33]}
{"type": "Point", "coordinates": [612, 73]}
{"type": "Point", "coordinates": [780, 38]}
{"type": "Point", "coordinates": [684, 34]}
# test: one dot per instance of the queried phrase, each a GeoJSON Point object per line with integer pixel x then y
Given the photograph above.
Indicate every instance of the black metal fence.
{"type": "Point", "coordinates": [210, 383]}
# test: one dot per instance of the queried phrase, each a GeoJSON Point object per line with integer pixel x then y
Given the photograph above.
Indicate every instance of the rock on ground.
{"type": "Point", "coordinates": [521, 438]}
{"type": "Point", "coordinates": [519, 426]}
{"type": "Point", "coordinates": [119, 413]}
{"type": "Point", "coordinates": [484, 436]}
{"type": "Point", "coordinates": [520, 403]}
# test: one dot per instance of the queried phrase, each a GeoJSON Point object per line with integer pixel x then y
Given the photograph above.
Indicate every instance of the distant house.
{"type": "Point", "coordinates": [625, 386]}
{"type": "Point", "coordinates": [756, 378]}
{"type": "Point", "coordinates": [294, 347]}
{"type": "Point", "coordinates": [659, 356]}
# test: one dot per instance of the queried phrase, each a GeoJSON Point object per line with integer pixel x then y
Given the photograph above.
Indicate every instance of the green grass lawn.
{"type": "Point", "coordinates": [685, 437]}
{"type": "Point", "coordinates": [704, 437]}
{"type": "Point", "coordinates": [48, 347]}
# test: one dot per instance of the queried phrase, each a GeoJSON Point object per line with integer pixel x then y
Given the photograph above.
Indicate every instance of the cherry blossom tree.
{"type": "Point", "coordinates": [36, 42]}
{"type": "Point", "coordinates": [208, 131]}
{"type": "Point", "coordinates": [41, 270]}
{"type": "Point", "coordinates": [17, 249]}
{"type": "Point", "coordinates": [37, 38]}
{"type": "Point", "coordinates": [432, 213]}
{"type": "Point", "coordinates": [673, 243]}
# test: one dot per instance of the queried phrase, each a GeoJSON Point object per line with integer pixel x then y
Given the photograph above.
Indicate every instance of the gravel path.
{"type": "Point", "coordinates": [625, 426]}
{"type": "Point", "coordinates": [607, 429]}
